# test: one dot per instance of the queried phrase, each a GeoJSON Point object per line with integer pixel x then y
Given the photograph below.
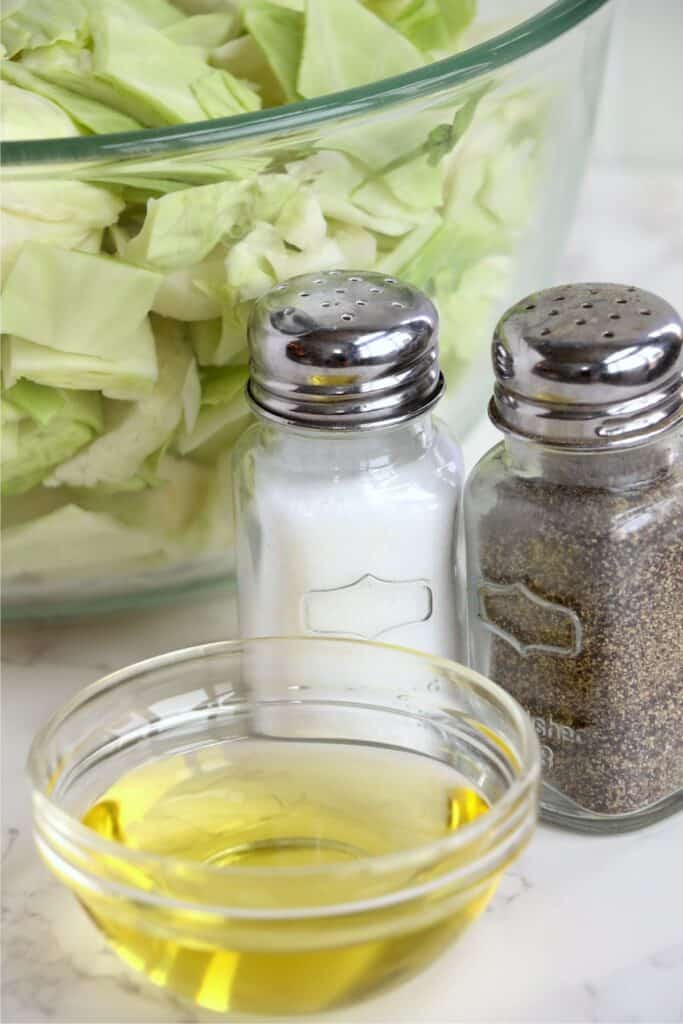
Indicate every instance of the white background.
{"type": "Point", "coordinates": [641, 117]}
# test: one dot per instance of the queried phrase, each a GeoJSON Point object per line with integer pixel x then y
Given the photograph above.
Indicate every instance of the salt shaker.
{"type": "Point", "coordinates": [347, 490]}
{"type": "Point", "coordinates": [574, 530]}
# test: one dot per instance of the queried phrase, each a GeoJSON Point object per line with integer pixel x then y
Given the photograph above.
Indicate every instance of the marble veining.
{"type": "Point", "coordinates": [581, 929]}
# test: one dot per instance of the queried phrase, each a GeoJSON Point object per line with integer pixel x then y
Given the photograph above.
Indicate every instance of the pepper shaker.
{"type": "Point", "coordinates": [347, 490]}
{"type": "Point", "coordinates": [574, 529]}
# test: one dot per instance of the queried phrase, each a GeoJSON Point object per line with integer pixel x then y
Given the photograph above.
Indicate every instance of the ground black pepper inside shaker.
{"type": "Point", "coordinates": [575, 547]}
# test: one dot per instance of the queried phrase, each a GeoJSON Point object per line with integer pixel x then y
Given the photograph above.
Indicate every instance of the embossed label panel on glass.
{"type": "Point", "coordinates": [369, 607]}
{"type": "Point", "coordinates": [528, 622]}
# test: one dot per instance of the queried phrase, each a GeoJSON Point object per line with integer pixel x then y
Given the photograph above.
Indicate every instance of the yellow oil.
{"type": "Point", "coordinates": [313, 813]}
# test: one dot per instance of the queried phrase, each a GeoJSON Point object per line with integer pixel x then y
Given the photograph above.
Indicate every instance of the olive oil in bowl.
{"type": "Point", "coordinates": [284, 825]}
{"type": "Point", "coordinates": [270, 805]}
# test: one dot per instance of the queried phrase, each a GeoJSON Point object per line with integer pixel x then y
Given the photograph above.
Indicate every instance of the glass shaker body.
{"type": "Point", "coordinates": [350, 533]}
{"type": "Point", "coordinates": [575, 606]}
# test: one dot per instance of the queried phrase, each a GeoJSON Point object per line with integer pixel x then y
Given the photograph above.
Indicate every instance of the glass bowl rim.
{"type": "Point", "coordinates": [521, 787]}
{"type": "Point", "coordinates": [532, 33]}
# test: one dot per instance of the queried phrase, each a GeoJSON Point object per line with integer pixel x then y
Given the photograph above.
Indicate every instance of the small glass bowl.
{"type": "Point", "coordinates": [271, 940]}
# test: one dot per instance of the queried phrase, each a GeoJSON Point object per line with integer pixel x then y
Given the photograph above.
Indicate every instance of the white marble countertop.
{"type": "Point", "coordinates": [582, 928]}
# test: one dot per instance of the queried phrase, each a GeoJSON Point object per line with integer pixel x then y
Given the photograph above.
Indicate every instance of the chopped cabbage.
{"type": "Point", "coordinates": [346, 45]}
{"type": "Point", "coordinates": [70, 539]}
{"type": "Point", "coordinates": [279, 33]}
{"type": "Point", "coordinates": [70, 215]}
{"type": "Point", "coordinates": [51, 341]}
{"type": "Point", "coordinates": [127, 283]}
{"type": "Point", "coordinates": [42, 23]}
{"type": "Point", "coordinates": [26, 115]}
{"type": "Point", "coordinates": [138, 430]}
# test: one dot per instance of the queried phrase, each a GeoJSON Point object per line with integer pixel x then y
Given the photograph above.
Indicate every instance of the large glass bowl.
{"type": "Point", "coordinates": [301, 921]}
{"type": "Point", "coordinates": [460, 177]}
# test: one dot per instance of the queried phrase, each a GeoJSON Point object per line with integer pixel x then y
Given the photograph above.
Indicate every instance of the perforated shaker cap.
{"type": "Point", "coordinates": [343, 350]}
{"type": "Point", "coordinates": [589, 366]}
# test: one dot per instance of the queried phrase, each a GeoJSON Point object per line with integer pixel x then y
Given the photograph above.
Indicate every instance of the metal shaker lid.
{"type": "Point", "coordinates": [343, 350]}
{"type": "Point", "coordinates": [588, 366]}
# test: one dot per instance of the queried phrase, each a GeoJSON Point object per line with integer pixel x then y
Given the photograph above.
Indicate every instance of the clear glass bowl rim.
{"type": "Point", "coordinates": [520, 790]}
{"type": "Point", "coordinates": [529, 35]}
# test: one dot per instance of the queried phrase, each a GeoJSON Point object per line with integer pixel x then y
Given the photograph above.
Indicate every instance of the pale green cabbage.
{"type": "Point", "coordinates": [128, 284]}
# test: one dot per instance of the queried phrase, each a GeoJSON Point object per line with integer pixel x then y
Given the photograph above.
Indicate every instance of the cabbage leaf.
{"type": "Point", "coordinates": [26, 115]}
{"type": "Point", "coordinates": [71, 539]}
{"type": "Point", "coordinates": [87, 113]}
{"type": "Point", "coordinates": [279, 33]}
{"type": "Point", "coordinates": [346, 45]}
{"type": "Point", "coordinates": [183, 227]}
{"type": "Point", "coordinates": [119, 297]}
{"type": "Point", "coordinates": [139, 430]}
{"type": "Point", "coordinates": [36, 23]}
{"type": "Point", "coordinates": [68, 214]}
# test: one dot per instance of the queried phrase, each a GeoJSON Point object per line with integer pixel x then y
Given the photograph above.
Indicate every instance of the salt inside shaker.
{"type": "Point", "coordinates": [574, 531]}
{"type": "Point", "coordinates": [347, 489]}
